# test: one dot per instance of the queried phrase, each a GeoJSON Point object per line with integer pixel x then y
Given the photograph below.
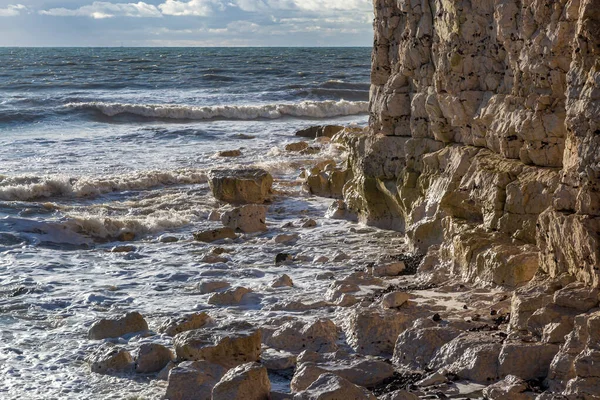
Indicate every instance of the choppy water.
{"type": "Point", "coordinates": [96, 142]}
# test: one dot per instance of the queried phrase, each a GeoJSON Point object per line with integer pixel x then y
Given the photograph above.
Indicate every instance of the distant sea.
{"type": "Point", "coordinates": [95, 142]}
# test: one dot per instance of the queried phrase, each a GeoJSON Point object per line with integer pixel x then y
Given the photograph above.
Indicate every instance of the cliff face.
{"type": "Point", "coordinates": [484, 138]}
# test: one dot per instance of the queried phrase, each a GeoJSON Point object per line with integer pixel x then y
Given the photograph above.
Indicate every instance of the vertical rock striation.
{"type": "Point", "coordinates": [484, 137]}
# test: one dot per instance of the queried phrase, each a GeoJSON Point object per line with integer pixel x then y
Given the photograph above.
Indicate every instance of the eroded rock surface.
{"type": "Point", "coordinates": [483, 136]}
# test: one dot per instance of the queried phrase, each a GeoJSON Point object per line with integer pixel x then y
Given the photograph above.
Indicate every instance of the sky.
{"type": "Point", "coordinates": [186, 23]}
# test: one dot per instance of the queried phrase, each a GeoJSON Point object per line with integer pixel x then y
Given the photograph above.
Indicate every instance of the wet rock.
{"type": "Point", "coordinates": [214, 259]}
{"type": "Point", "coordinates": [321, 260]}
{"type": "Point", "coordinates": [229, 297]}
{"type": "Point", "coordinates": [229, 153]}
{"type": "Point", "coordinates": [333, 387]}
{"type": "Point", "coordinates": [227, 346]}
{"type": "Point", "coordinates": [296, 147]}
{"type": "Point", "coordinates": [123, 249]}
{"type": "Point", "coordinates": [241, 185]}
{"type": "Point", "coordinates": [339, 210]}
{"type": "Point", "coordinates": [326, 183]}
{"type": "Point", "coordinates": [338, 288]}
{"type": "Point", "coordinates": [296, 336]}
{"type": "Point", "coordinates": [248, 218]}
{"type": "Point", "coordinates": [126, 237]}
{"type": "Point", "coordinates": [111, 328]}
{"type": "Point", "coordinates": [212, 235]}
{"type": "Point", "coordinates": [277, 360]}
{"type": "Point", "coordinates": [214, 215]}
{"type": "Point", "coordinates": [283, 258]}
{"type": "Point", "coordinates": [109, 358]}
{"type": "Point", "coordinates": [244, 382]}
{"type": "Point", "coordinates": [374, 331]}
{"type": "Point", "coordinates": [510, 388]}
{"type": "Point", "coordinates": [152, 357]}
{"type": "Point", "coordinates": [286, 238]}
{"type": "Point", "coordinates": [173, 326]}
{"type": "Point", "coordinates": [308, 223]}
{"type": "Point", "coordinates": [193, 380]}
{"type": "Point", "coordinates": [212, 286]}
{"type": "Point", "coordinates": [415, 347]}
{"type": "Point", "coordinates": [283, 281]}
{"type": "Point", "coordinates": [346, 300]}
{"type": "Point", "coordinates": [168, 239]}
{"type": "Point", "coordinates": [320, 131]}
{"type": "Point", "coordinates": [362, 372]}
{"type": "Point", "coordinates": [163, 374]}
{"type": "Point", "coordinates": [394, 299]}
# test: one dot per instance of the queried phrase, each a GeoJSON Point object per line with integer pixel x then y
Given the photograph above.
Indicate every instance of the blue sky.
{"type": "Point", "coordinates": [186, 23]}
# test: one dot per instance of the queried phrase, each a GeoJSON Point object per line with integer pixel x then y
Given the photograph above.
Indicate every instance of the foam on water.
{"type": "Point", "coordinates": [27, 188]}
{"type": "Point", "coordinates": [70, 185]}
{"type": "Point", "coordinates": [311, 109]}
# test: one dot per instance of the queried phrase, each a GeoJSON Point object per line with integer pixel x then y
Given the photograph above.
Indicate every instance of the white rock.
{"type": "Point", "coordinates": [333, 387]}
{"type": "Point", "coordinates": [245, 382]}
{"type": "Point", "coordinates": [111, 328]}
{"type": "Point", "coordinates": [394, 299]}
{"type": "Point", "coordinates": [248, 218]}
{"type": "Point", "coordinates": [193, 380]}
{"type": "Point", "coordinates": [283, 281]}
{"type": "Point", "coordinates": [152, 357]}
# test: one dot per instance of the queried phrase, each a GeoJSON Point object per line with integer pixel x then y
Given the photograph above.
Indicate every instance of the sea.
{"type": "Point", "coordinates": [100, 142]}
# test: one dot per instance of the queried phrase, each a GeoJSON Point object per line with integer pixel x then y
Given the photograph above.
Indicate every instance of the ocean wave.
{"type": "Point", "coordinates": [310, 109]}
{"type": "Point", "coordinates": [29, 188]}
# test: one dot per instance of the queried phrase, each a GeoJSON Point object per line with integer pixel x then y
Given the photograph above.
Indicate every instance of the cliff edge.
{"type": "Point", "coordinates": [484, 137]}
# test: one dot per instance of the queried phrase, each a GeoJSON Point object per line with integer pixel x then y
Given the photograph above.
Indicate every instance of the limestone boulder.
{"type": "Point", "coordinates": [229, 153]}
{"type": "Point", "coordinates": [212, 235]}
{"type": "Point", "coordinates": [277, 360]}
{"type": "Point", "coordinates": [471, 355]}
{"type": "Point", "coordinates": [111, 328]}
{"type": "Point", "coordinates": [173, 326]}
{"type": "Point", "coordinates": [248, 381]}
{"type": "Point", "coordinates": [225, 346]}
{"type": "Point", "coordinates": [314, 132]}
{"type": "Point", "coordinates": [511, 387]}
{"type": "Point", "coordinates": [296, 147]}
{"type": "Point", "coordinates": [394, 299]}
{"type": "Point", "coordinates": [152, 357]}
{"type": "Point", "coordinates": [389, 269]}
{"type": "Point", "coordinates": [360, 371]}
{"type": "Point", "coordinates": [109, 359]}
{"type": "Point", "coordinates": [295, 336]}
{"type": "Point", "coordinates": [283, 281]}
{"type": "Point", "coordinates": [333, 387]}
{"type": "Point", "coordinates": [526, 360]}
{"type": "Point", "coordinates": [193, 380]}
{"type": "Point", "coordinates": [416, 347]}
{"type": "Point", "coordinates": [374, 331]}
{"type": "Point", "coordinates": [229, 297]}
{"type": "Point", "coordinates": [241, 185]}
{"type": "Point", "coordinates": [248, 218]}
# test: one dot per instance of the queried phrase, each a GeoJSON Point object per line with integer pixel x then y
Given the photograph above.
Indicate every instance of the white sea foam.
{"type": "Point", "coordinates": [311, 109]}
{"type": "Point", "coordinates": [27, 188]}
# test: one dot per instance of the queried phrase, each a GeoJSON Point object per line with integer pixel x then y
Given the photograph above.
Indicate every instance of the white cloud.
{"type": "Point", "coordinates": [102, 9]}
{"type": "Point", "coordinates": [305, 5]}
{"type": "Point", "coordinates": [12, 10]}
{"type": "Point", "coordinates": [198, 8]}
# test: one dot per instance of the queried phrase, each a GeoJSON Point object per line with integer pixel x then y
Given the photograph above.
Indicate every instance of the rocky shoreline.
{"type": "Point", "coordinates": [391, 326]}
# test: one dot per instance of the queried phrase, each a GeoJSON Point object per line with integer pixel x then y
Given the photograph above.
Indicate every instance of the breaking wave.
{"type": "Point", "coordinates": [28, 188]}
{"type": "Point", "coordinates": [310, 109]}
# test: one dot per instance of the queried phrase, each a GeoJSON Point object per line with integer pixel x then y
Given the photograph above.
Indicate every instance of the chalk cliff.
{"type": "Point", "coordinates": [484, 137]}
